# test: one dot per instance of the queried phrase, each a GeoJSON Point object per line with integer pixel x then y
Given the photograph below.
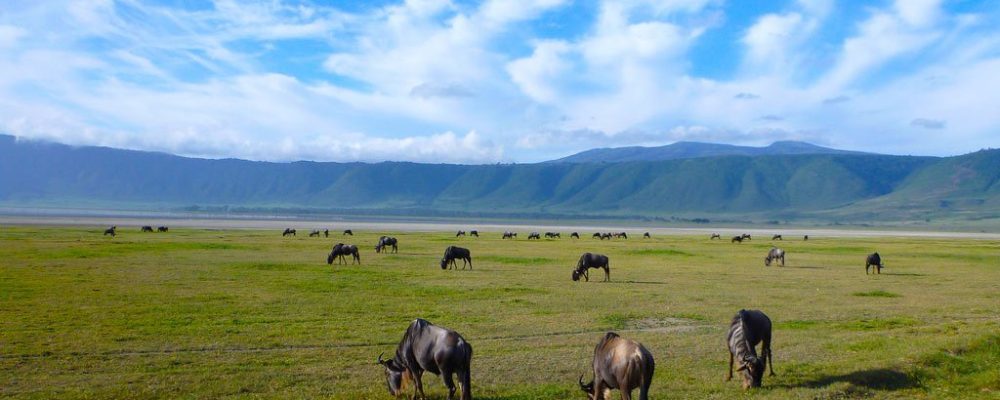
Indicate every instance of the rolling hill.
{"type": "Point", "coordinates": [682, 150]}
{"type": "Point", "coordinates": [827, 187]}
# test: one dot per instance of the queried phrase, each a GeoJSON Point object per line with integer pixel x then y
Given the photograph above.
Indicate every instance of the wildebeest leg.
{"type": "Point", "coordinates": [866, 268]}
{"type": "Point", "coordinates": [586, 274]}
{"type": "Point", "coordinates": [729, 376]}
{"type": "Point", "coordinates": [598, 389]}
{"type": "Point", "coordinates": [607, 274]}
{"type": "Point", "coordinates": [465, 380]}
{"type": "Point", "coordinates": [470, 264]}
{"type": "Point", "coordinates": [448, 383]}
{"type": "Point", "coordinates": [418, 384]}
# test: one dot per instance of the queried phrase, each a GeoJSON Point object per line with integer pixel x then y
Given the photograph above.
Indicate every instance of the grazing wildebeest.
{"type": "Point", "coordinates": [552, 235]}
{"type": "Point", "coordinates": [315, 233]}
{"type": "Point", "coordinates": [474, 233]}
{"type": "Point", "coordinates": [340, 250]}
{"type": "Point", "coordinates": [455, 252]}
{"type": "Point", "coordinates": [428, 347]}
{"type": "Point", "coordinates": [110, 231]}
{"type": "Point", "coordinates": [288, 231]}
{"type": "Point", "coordinates": [534, 235]}
{"type": "Point", "coordinates": [776, 237]}
{"type": "Point", "coordinates": [806, 237]}
{"type": "Point", "coordinates": [746, 236]}
{"type": "Point", "coordinates": [747, 329]}
{"type": "Point", "coordinates": [596, 235]}
{"type": "Point", "coordinates": [384, 242]}
{"type": "Point", "coordinates": [874, 260]}
{"type": "Point", "coordinates": [588, 261]}
{"type": "Point", "coordinates": [775, 254]}
{"type": "Point", "coordinates": [606, 235]}
{"type": "Point", "coordinates": [146, 228]}
{"type": "Point", "coordinates": [737, 239]}
{"type": "Point", "coordinates": [621, 364]}
{"type": "Point", "coordinates": [646, 235]}
{"type": "Point", "coordinates": [621, 235]}
{"type": "Point", "coordinates": [347, 232]}
{"type": "Point", "coordinates": [510, 235]}
{"type": "Point", "coordinates": [162, 229]}
{"type": "Point", "coordinates": [716, 236]}
{"type": "Point", "coordinates": [326, 233]}
{"type": "Point", "coordinates": [574, 235]}
{"type": "Point", "coordinates": [460, 233]}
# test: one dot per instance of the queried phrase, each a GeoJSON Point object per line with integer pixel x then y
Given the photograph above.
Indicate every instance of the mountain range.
{"type": "Point", "coordinates": [800, 182]}
{"type": "Point", "coordinates": [682, 150]}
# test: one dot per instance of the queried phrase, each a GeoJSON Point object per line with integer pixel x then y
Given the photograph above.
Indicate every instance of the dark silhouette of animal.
{"type": "Point", "coordinates": [806, 237]}
{"type": "Point", "coordinates": [621, 235]}
{"type": "Point", "coordinates": [596, 235]}
{"type": "Point", "coordinates": [737, 239]}
{"type": "Point", "coordinates": [340, 250]}
{"type": "Point", "coordinates": [746, 236]}
{"type": "Point", "coordinates": [776, 237]}
{"type": "Point", "coordinates": [384, 242]}
{"type": "Point", "coordinates": [162, 229]}
{"type": "Point", "coordinates": [431, 348]}
{"type": "Point", "coordinates": [551, 235]}
{"type": "Point", "coordinates": [510, 235]}
{"type": "Point", "coordinates": [646, 236]}
{"type": "Point", "coordinates": [460, 233]}
{"type": "Point", "coordinates": [454, 252]}
{"type": "Point", "coordinates": [746, 330]}
{"type": "Point", "coordinates": [288, 231]}
{"type": "Point", "coordinates": [775, 254]}
{"type": "Point", "coordinates": [315, 233]}
{"type": "Point", "coordinates": [146, 228]}
{"type": "Point", "coordinates": [875, 261]}
{"type": "Point", "coordinates": [326, 233]}
{"type": "Point", "coordinates": [574, 235]}
{"type": "Point", "coordinates": [110, 231]}
{"type": "Point", "coordinates": [347, 232]}
{"type": "Point", "coordinates": [621, 364]}
{"type": "Point", "coordinates": [591, 260]}
{"type": "Point", "coordinates": [716, 236]}
{"type": "Point", "coordinates": [606, 235]}
{"type": "Point", "coordinates": [534, 235]}
{"type": "Point", "coordinates": [474, 233]}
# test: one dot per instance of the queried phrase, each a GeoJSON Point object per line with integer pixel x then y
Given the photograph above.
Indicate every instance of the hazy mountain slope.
{"type": "Point", "coordinates": [683, 150]}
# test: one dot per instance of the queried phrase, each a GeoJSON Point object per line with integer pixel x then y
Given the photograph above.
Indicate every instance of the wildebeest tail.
{"type": "Point", "coordinates": [466, 379]}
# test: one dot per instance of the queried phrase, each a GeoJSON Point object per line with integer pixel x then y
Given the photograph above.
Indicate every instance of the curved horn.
{"type": "Point", "coordinates": [581, 381]}
{"type": "Point", "coordinates": [380, 361]}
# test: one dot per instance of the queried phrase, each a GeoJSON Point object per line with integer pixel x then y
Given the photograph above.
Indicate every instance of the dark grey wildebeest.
{"type": "Point", "coordinates": [875, 261]}
{"type": "Point", "coordinates": [454, 252]}
{"type": "Point", "coordinates": [162, 229]}
{"type": "Point", "coordinates": [775, 254]}
{"type": "Point", "coordinates": [460, 233]}
{"type": "Point", "coordinates": [716, 236]}
{"type": "Point", "coordinates": [646, 235]}
{"type": "Point", "coordinates": [596, 235]}
{"type": "Point", "coordinates": [384, 242]}
{"type": "Point", "coordinates": [340, 250]}
{"type": "Point", "coordinates": [747, 329]}
{"type": "Point", "coordinates": [315, 232]}
{"type": "Point", "coordinates": [110, 231]}
{"type": "Point", "coordinates": [621, 364]}
{"type": "Point", "coordinates": [146, 228]}
{"type": "Point", "coordinates": [326, 233]}
{"type": "Point", "coordinates": [776, 237]}
{"type": "Point", "coordinates": [510, 235]}
{"type": "Point", "coordinates": [474, 233]}
{"type": "Point", "coordinates": [552, 235]}
{"type": "Point", "coordinates": [431, 348]}
{"type": "Point", "coordinates": [737, 239]}
{"type": "Point", "coordinates": [347, 232]}
{"type": "Point", "coordinates": [574, 235]}
{"type": "Point", "coordinates": [591, 260]}
{"type": "Point", "coordinates": [288, 231]}
{"type": "Point", "coordinates": [534, 235]}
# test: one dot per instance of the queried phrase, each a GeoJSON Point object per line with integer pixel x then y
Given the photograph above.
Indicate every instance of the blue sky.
{"type": "Point", "coordinates": [498, 81]}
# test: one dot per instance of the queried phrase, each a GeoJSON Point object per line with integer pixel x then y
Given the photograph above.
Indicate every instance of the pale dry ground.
{"type": "Point", "coordinates": [242, 313]}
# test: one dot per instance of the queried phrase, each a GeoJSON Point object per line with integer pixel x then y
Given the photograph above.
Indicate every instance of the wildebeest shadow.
{"type": "Point", "coordinates": [875, 379]}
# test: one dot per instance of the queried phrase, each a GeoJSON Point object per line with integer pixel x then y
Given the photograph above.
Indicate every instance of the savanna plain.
{"type": "Point", "coordinates": [197, 313]}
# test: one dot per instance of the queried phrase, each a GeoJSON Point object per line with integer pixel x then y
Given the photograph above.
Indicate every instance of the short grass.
{"type": "Point", "coordinates": [250, 314]}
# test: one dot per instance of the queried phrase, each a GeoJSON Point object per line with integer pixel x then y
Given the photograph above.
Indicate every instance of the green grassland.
{"type": "Point", "coordinates": [250, 314]}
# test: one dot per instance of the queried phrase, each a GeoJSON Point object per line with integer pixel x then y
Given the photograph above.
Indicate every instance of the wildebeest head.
{"type": "Point", "coordinates": [329, 258]}
{"type": "Point", "coordinates": [752, 368]}
{"type": "Point", "coordinates": [394, 375]}
{"type": "Point", "coordinates": [444, 263]}
{"type": "Point", "coordinates": [588, 388]}
{"type": "Point", "coordinates": [576, 275]}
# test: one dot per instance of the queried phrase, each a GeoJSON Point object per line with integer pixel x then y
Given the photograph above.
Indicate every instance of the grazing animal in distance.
{"type": "Point", "coordinates": [146, 228]}
{"type": "Point", "coordinates": [746, 236]}
{"type": "Point", "coordinates": [340, 250]}
{"type": "Point", "coordinates": [747, 329]}
{"type": "Point", "coordinates": [596, 235]}
{"type": "Point", "coordinates": [551, 235]}
{"type": "Point", "coordinates": [574, 235]}
{"type": "Point", "coordinates": [326, 233]}
{"type": "Point", "coordinates": [874, 260]}
{"type": "Point", "coordinates": [474, 233]}
{"type": "Point", "coordinates": [110, 231]}
{"type": "Point", "coordinates": [646, 236]}
{"type": "Point", "coordinates": [510, 235]}
{"type": "Point", "coordinates": [288, 231]}
{"type": "Point", "coordinates": [431, 348]}
{"type": "Point", "coordinates": [775, 254]}
{"type": "Point", "coordinates": [621, 364]}
{"type": "Point", "coordinates": [591, 260]}
{"type": "Point", "coordinates": [716, 236]}
{"type": "Point", "coordinates": [454, 252]}
{"type": "Point", "coordinates": [776, 237]}
{"type": "Point", "coordinates": [315, 233]}
{"type": "Point", "coordinates": [534, 235]}
{"type": "Point", "coordinates": [347, 232]}
{"type": "Point", "coordinates": [162, 229]}
{"type": "Point", "coordinates": [806, 237]}
{"type": "Point", "coordinates": [460, 233]}
{"type": "Point", "coordinates": [607, 236]}
{"type": "Point", "coordinates": [621, 235]}
{"type": "Point", "coordinates": [737, 239]}
{"type": "Point", "coordinates": [384, 242]}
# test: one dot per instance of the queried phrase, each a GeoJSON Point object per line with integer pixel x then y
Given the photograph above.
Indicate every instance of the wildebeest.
{"type": "Point", "coordinates": [606, 235]}
{"type": "Point", "coordinates": [340, 250]}
{"type": "Point", "coordinates": [474, 233]}
{"type": "Point", "coordinates": [596, 235]}
{"type": "Point", "coordinates": [574, 235]}
{"type": "Point", "coordinates": [510, 235]}
{"type": "Point", "coordinates": [534, 235]}
{"type": "Point", "coordinates": [431, 348]}
{"type": "Point", "coordinates": [455, 252]}
{"type": "Point", "coordinates": [315, 233]}
{"type": "Point", "coordinates": [146, 228]}
{"type": "Point", "coordinates": [747, 329]}
{"type": "Point", "coordinates": [646, 235]}
{"type": "Point", "coordinates": [347, 232]}
{"type": "Point", "coordinates": [110, 231]}
{"type": "Point", "coordinates": [288, 231]}
{"type": "Point", "coordinates": [806, 237]}
{"type": "Point", "coordinates": [873, 260]}
{"type": "Point", "coordinates": [384, 242]}
{"type": "Point", "coordinates": [621, 364]}
{"type": "Point", "coordinates": [621, 235]}
{"type": "Point", "coordinates": [326, 233]}
{"type": "Point", "coordinates": [552, 235]}
{"type": "Point", "coordinates": [746, 236]}
{"type": "Point", "coordinates": [737, 239]}
{"type": "Point", "coordinates": [162, 229]}
{"type": "Point", "coordinates": [460, 233]}
{"type": "Point", "coordinates": [588, 261]}
{"type": "Point", "coordinates": [716, 236]}
{"type": "Point", "coordinates": [775, 254]}
{"type": "Point", "coordinates": [776, 237]}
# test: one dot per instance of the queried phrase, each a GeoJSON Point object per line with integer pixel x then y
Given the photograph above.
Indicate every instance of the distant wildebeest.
{"type": "Point", "coordinates": [534, 235]}
{"type": "Point", "coordinates": [384, 242]}
{"type": "Point", "coordinates": [288, 231]}
{"type": "Point", "coordinates": [509, 235]}
{"type": "Point", "coordinates": [110, 231]}
{"type": "Point", "coordinates": [326, 233]}
{"type": "Point", "coordinates": [646, 235]}
{"type": "Point", "coordinates": [588, 261]}
{"type": "Point", "coordinates": [552, 235]}
{"type": "Point", "coordinates": [606, 235]}
{"type": "Point", "coordinates": [347, 232]}
{"type": "Point", "coordinates": [621, 364]}
{"type": "Point", "coordinates": [716, 236]}
{"type": "Point", "coordinates": [460, 233]}
{"type": "Point", "coordinates": [428, 347]}
{"type": "Point", "coordinates": [621, 235]}
{"type": "Point", "coordinates": [315, 233]}
{"type": "Point", "coordinates": [875, 261]}
{"type": "Point", "coordinates": [746, 236]}
{"type": "Point", "coordinates": [340, 250]}
{"type": "Point", "coordinates": [596, 235]}
{"type": "Point", "coordinates": [806, 237]}
{"type": "Point", "coordinates": [775, 254]}
{"type": "Point", "coordinates": [574, 235]}
{"type": "Point", "coordinates": [146, 228]}
{"type": "Point", "coordinates": [454, 252]}
{"type": "Point", "coordinates": [747, 329]}
{"type": "Point", "coordinates": [162, 229]}
{"type": "Point", "coordinates": [474, 233]}
{"type": "Point", "coordinates": [776, 237]}
{"type": "Point", "coordinates": [737, 239]}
